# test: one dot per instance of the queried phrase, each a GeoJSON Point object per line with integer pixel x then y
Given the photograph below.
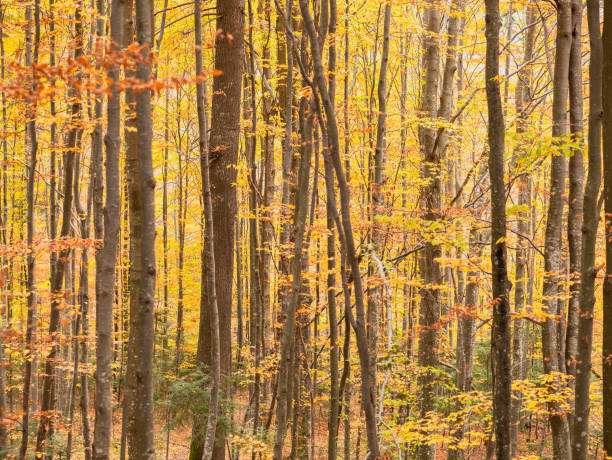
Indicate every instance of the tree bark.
{"type": "Point", "coordinates": [375, 290]}
{"type": "Point", "coordinates": [466, 335]}
{"type": "Point", "coordinates": [49, 398]}
{"type": "Point", "coordinates": [285, 364]}
{"type": "Point", "coordinates": [344, 228]}
{"type": "Point", "coordinates": [106, 257]}
{"type": "Point", "coordinates": [607, 162]}
{"type": "Point", "coordinates": [32, 48]}
{"type": "Point", "coordinates": [209, 242]}
{"type": "Point", "coordinates": [500, 331]}
{"type": "Point", "coordinates": [139, 403]}
{"type": "Point", "coordinates": [80, 352]}
{"type": "Point", "coordinates": [590, 222]}
{"type": "Point", "coordinates": [576, 192]}
{"type": "Point", "coordinates": [334, 398]}
{"type": "Point", "coordinates": [522, 100]}
{"type": "Point", "coordinates": [431, 202]}
{"type": "Point", "coordinates": [554, 224]}
{"type": "Point", "coordinates": [223, 154]}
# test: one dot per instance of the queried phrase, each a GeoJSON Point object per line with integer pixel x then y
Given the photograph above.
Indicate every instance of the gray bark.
{"type": "Point", "coordinates": [500, 330]}
{"type": "Point", "coordinates": [590, 222]}
{"type": "Point", "coordinates": [553, 246]}
{"type": "Point", "coordinates": [139, 377]}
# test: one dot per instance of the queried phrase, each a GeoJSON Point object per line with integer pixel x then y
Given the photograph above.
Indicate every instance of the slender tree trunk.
{"type": "Point", "coordinates": [267, 228]}
{"type": "Point", "coordinates": [255, 249]}
{"type": "Point", "coordinates": [285, 96]}
{"type": "Point", "coordinates": [83, 352]}
{"type": "Point", "coordinates": [183, 187]}
{"type": "Point", "coordinates": [32, 47]}
{"type": "Point", "coordinates": [209, 248]}
{"type": "Point", "coordinates": [431, 202]}
{"type": "Point", "coordinates": [500, 331]}
{"type": "Point", "coordinates": [450, 68]}
{"type": "Point", "coordinates": [576, 193]}
{"type": "Point", "coordinates": [466, 334]}
{"type": "Point", "coordinates": [285, 365]}
{"type": "Point", "coordinates": [344, 224]}
{"type": "Point", "coordinates": [49, 399]}
{"type": "Point", "coordinates": [332, 309]}
{"type": "Point", "coordinates": [607, 162]}
{"type": "Point", "coordinates": [554, 224]}
{"type": "Point", "coordinates": [4, 315]}
{"type": "Point", "coordinates": [590, 222]}
{"type": "Point", "coordinates": [375, 291]}
{"type": "Point", "coordinates": [134, 218]}
{"type": "Point", "coordinates": [106, 257]}
{"type": "Point", "coordinates": [522, 99]}
{"type": "Point", "coordinates": [80, 353]}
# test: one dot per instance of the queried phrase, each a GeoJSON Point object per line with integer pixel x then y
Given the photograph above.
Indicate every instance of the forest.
{"type": "Point", "coordinates": [306, 229]}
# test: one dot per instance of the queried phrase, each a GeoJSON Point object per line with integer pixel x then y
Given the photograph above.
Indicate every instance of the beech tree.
{"type": "Point", "coordinates": [378, 229]}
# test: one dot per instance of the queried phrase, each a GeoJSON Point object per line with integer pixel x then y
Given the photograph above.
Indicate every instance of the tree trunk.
{"type": "Point", "coordinates": [106, 257]}
{"type": "Point", "coordinates": [80, 354]}
{"type": "Point", "coordinates": [30, 336]}
{"type": "Point", "coordinates": [466, 335]}
{"type": "Point", "coordinates": [344, 227]}
{"type": "Point", "coordinates": [375, 289]}
{"type": "Point", "coordinates": [607, 161]}
{"type": "Point", "coordinates": [334, 398]}
{"type": "Point", "coordinates": [553, 238]}
{"type": "Point", "coordinates": [267, 227]}
{"type": "Point", "coordinates": [500, 331]}
{"type": "Point", "coordinates": [522, 99]}
{"type": "Point", "coordinates": [590, 222]}
{"type": "Point", "coordinates": [139, 402]}
{"type": "Point", "coordinates": [132, 215]}
{"type": "Point", "coordinates": [576, 192]}
{"type": "Point", "coordinates": [285, 364]}
{"type": "Point", "coordinates": [85, 216]}
{"type": "Point", "coordinates": [223, 153]}
{"type": "Point", "coordinates": [209, 248]}
{"type": "Point", "coordinates": [430, 200]}
{"type": "Point", "coordinates": [49, 398]}
{"type": "Point", "coordinates": [4, 316]}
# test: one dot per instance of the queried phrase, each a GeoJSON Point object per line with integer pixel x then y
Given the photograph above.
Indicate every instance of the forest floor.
{"type": "Point", "coordinates": [531, 446]}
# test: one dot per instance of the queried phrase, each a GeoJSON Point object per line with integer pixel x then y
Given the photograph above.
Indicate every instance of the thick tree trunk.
{"type": "Point", "coordinates": [500, 331]}
{"type": "Point", "coordinates": [139, 402]}
{"type": "Point", "coordinates": [223, 154]}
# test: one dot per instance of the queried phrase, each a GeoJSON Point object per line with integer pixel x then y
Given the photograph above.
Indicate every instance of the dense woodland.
{"type": "Point", "coordinates": [306, 229]}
